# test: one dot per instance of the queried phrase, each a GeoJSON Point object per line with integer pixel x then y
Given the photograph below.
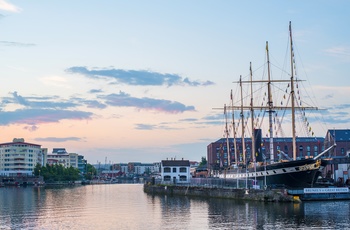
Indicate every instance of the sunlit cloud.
{"type": "Point", "coordinates": [136, 77]}
{"type": "Point", "coordinates": [125, 100]}
{"type": "Point", "coordinates": [4, 5]}
{"type": "Point", "coordinates": [56, 81]}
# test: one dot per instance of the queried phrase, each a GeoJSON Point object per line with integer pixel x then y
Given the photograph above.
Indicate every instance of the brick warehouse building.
{"type": "Point", "coordinates": [217, 151]}
{"type": "Point", "coordinates": [307, 147]}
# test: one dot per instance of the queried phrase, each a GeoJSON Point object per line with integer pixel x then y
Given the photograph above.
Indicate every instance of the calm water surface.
{"type": "Point", "coordinates": [126, 206]}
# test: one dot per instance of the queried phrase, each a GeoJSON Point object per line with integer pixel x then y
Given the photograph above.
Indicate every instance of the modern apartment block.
{"type": "Point", "coordinates": [19, 158]}
{"type": "Point", "coordinates": [61, 156]}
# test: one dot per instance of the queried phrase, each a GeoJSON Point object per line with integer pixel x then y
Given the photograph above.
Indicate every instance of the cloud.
{"type": "Point", "coordinates": [18, 44]}
{"type": "Point", "coordinates": [145, 127]}
{"type": "Point", "coordinates": [136, 77]}
{"type": "Point", "coordinates": [31, 128]}
{"type": "Point", "coordinates": [4, 5]}
{"type": "Point", "coordinates": [154, 127]}
{"type": "Point", "coordinates": [38, 102]}
{"type": "Point", "coordinates": [57, 139]}
{"type": "Point", "coordinates": [125, 100]}
{"type": "Point", "coordinates": [339, 51]}
{"type": "Point", "coordinates": [95, 91]}
{"type": "Point", "coordinates": [34, 117]}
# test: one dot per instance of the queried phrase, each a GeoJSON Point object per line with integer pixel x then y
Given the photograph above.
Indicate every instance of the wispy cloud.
{"type": "Point", "coordinates": [40, 116]}
{"type": "Point", "coordinates": [57, 139]}
{"type": "Point", "coordinates": [145, 127]}
{"type": "Point", "coordinates": [4, 5]}
{"type": "Point", "coordinates": [339, 51]}
{"type": "Point", "coordinates": [40, 110]}
{"type": "Point", "coordinates": [39, 102]}
{"type": "Point", "coordinates": [95, 91]}
{"type": "Point", "coordinates": [136, 77]}
{"type": "Point", "coordinates": [125, 100]}
{"type": "Point", "coordinates": [19, 44]}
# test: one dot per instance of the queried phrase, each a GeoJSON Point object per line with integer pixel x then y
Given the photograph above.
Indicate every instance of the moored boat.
{"type": "Point", "coordinates": [290, 173]}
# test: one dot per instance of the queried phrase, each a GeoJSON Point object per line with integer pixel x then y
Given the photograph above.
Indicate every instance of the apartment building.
{"type": "Point", "coordinates": [61, 156]}
{"type": "Point", "coordinates": [19, 158]}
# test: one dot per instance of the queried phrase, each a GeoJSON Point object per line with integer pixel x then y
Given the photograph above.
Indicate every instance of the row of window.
{"type": "Point", "coordinates": [181, 178]}
{"type": "Point", "coordinates": [15, 155]}
{"type": "Point", "coordinates": [7, 164]}
{"type": "Point", "coordinates": [168, 170]}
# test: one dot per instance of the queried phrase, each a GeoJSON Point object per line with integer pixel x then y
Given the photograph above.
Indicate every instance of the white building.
{"type": "Point", "coordinates": [61, 156]}
{"type": "Point", "coordinates": [19, 158]}
{"type": "Point", "coordinates": [175, 171]}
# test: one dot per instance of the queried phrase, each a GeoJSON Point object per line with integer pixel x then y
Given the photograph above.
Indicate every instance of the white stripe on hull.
{"type": "Point", "coordinates": [272, 172]}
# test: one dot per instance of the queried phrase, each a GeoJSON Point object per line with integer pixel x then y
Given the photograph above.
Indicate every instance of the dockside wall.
{"type": "Point", "coordinates": [273, 195]}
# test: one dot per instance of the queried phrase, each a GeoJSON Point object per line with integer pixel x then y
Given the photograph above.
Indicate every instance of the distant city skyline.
{"type": "Point", "coordinates": [138, 80]}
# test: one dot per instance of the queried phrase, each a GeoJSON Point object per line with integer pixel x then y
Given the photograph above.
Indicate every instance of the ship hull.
{"type": "Point", "coordinates": [291, 174]}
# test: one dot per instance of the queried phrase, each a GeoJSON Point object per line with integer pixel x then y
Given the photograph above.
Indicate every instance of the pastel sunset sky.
{"type": "Point", "coordinates": [138, 80]}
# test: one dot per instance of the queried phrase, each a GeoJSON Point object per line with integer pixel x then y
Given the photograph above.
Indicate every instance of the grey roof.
{"type": "Point", "coordinates": [176, 163]}
{"type": "Point", "coordinates": [59, 151]}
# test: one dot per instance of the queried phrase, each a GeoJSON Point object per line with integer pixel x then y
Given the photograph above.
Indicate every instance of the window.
{"type": "Point", "coordinates": [167, 178]}
{"type": "Point", "coordinates": [174, 170]}
{"type": "Point", "coordinates": [183, 178]}
{"type": "Point", "coordinates": [183, 170]}
{"type": "Point", "coordinates": [166, 170]}
{"type": "Point", "coordinates": [308, 150]}
{"type": "Point", "coordinates": [342, 151]}
{"type": "Point", "coordinates": [300, 151]}
{"type": "Point", "coordinates": [315, 150]}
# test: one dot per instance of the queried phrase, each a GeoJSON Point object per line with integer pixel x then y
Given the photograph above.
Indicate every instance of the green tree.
{"type": "Point", "coordinates": [56, 173]}
{"type": "Point", "coordinates": [90, 172]}
{"type": "Point", "coordinates": [203, 162]}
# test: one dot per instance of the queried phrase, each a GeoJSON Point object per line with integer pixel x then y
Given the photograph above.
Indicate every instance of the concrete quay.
{"type": "Point", "coordinates": [272, 195]}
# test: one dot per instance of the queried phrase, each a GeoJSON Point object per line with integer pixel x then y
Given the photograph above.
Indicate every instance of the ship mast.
{"type": "Point", "coordinates": [227, 140]}
{"type": "Point", "coordinates": [242, 120]}
{"type": "Point", "coordinates": [270, 103]}
{"type": "Point", "coordinates": [234, 131]}
{"type": "Point", "coordinates": [292, 93]}
{"type": "Point", "coordinates": [252, 112]}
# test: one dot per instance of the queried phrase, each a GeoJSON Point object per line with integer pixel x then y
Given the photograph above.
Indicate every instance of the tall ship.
{"type": "Point", "coordinates": [263, 169]}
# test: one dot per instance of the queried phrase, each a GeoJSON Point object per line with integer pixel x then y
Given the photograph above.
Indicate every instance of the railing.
{"type": "Point", "coordinates": [209, 183]}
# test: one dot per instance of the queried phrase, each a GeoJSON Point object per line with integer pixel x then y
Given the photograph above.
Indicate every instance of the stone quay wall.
{"type": "Point", "coordinates": [273, 195]}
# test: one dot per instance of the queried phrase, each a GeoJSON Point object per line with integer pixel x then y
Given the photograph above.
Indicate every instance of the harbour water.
{"type": "Point", "coordinates": [126, 206]}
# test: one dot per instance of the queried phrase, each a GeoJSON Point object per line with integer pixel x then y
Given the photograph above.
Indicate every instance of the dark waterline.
{"type": "Point", "coordinates": [126, 206]}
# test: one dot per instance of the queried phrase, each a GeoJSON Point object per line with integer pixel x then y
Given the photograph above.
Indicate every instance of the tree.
{"type": "Point", "coordinates": [57, 172]}
{"type": "Point", "coordinates": [90, 171]}
{"type": "Point", "coordinates": [203, 162]}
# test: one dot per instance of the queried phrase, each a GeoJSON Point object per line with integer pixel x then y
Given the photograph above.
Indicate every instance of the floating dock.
{"type": "Point", "coordinates": [316, 194]}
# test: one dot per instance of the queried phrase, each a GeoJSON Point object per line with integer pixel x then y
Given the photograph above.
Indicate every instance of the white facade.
{"type": "Point", "coordinates": [175, 171]}
{"type": "Point", "coordinates": [65, 159]}
{"type": "Point", "coordinates": [20, 158]}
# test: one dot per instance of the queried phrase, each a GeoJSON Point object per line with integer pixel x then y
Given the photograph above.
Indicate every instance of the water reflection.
{"type": "Point", "coordinates": [126, 206]}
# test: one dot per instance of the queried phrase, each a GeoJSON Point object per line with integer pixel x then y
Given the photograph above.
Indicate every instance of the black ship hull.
{"type": "Point", "coordinates": [290, 174]}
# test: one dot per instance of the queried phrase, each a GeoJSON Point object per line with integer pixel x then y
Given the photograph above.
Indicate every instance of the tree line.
{"type": "Point", "coordinates": [57, 172]}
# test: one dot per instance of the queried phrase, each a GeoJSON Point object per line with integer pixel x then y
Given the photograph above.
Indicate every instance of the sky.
{"type": "Point", "coordinates": [139, 81]}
